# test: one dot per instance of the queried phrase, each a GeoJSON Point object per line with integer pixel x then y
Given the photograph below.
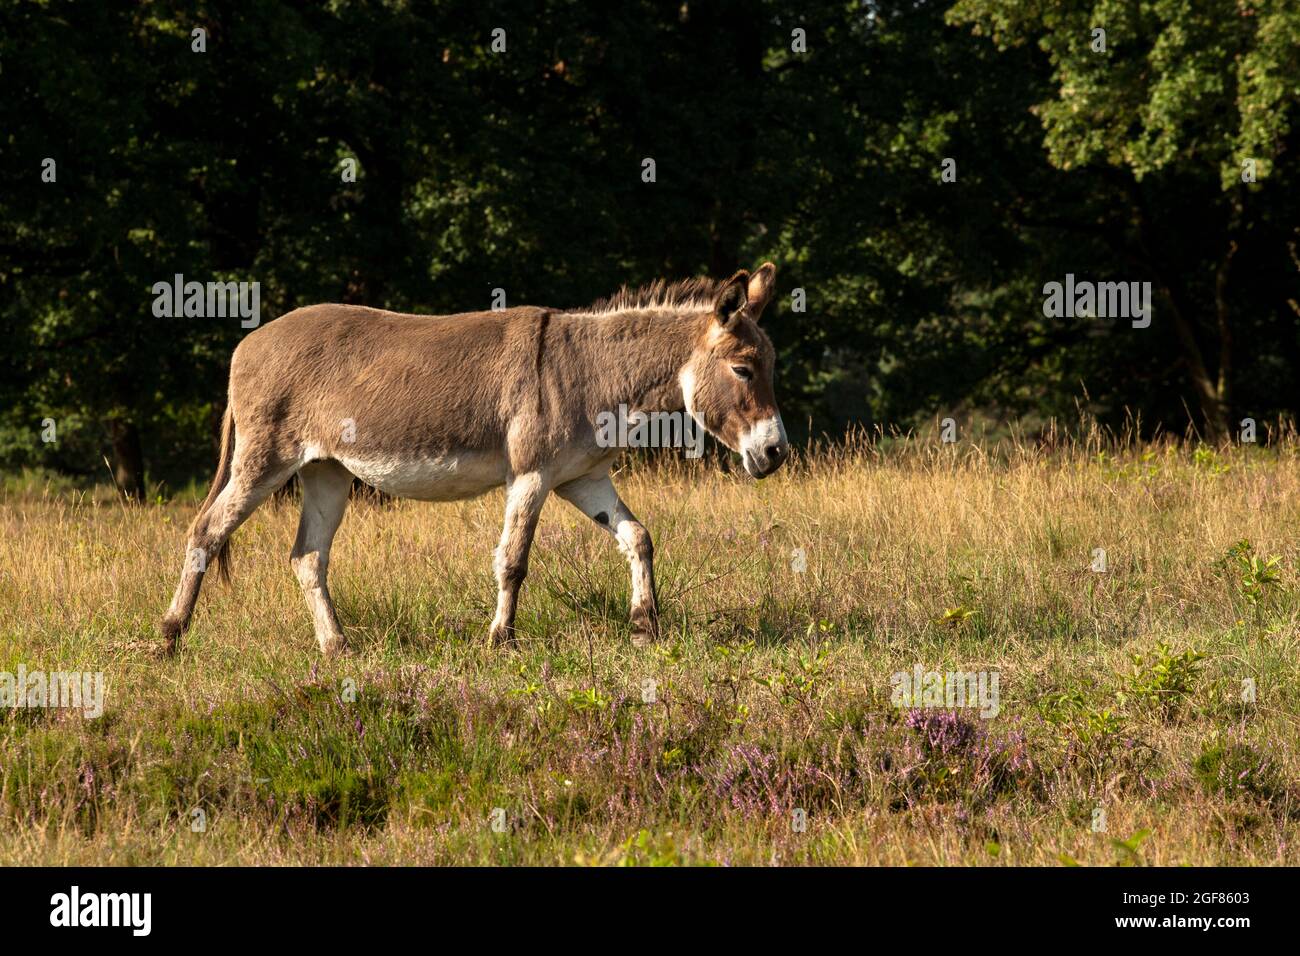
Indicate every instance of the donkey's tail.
{"type": "Point", "coordinates": [219, 481]}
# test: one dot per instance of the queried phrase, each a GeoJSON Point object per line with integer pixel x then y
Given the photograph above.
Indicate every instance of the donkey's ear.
{"type": "Point", "coordinates": [732, 298]}
{"type": "Point", "coordinates": [762, 283]}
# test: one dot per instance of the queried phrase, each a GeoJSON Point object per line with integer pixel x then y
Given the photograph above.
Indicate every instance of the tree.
{"type": "Point", "coordinates": [1187, 109]}
{"type": "Point", "coordinates": [918, 183]}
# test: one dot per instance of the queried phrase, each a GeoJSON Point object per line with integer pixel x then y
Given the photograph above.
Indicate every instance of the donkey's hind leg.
{"type": "Point", "coordinates": [325, 487]}
{"type": "Point", "coordinates": [595, 496]}
{"type": "Point", "coordinates": [247, 488]}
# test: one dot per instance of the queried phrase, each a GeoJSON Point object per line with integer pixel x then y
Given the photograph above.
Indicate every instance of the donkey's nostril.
{"type": "Point", "coordinates": [775, 452]}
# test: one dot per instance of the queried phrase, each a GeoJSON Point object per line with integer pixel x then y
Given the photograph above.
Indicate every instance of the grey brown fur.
{"type": "Point", "coordinates": [445, 407]}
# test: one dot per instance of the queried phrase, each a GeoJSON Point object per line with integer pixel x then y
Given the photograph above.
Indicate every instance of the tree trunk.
{"type": "Point", "coordinates": [1210, 389]}
{"type": "Point", "coordinates": [1224, 317]}
{"type": "Point", "coordinates": [128, 460]}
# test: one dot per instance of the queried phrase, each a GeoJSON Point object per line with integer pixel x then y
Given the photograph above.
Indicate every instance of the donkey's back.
{"type": "Point", "coordinates": [348, 382]}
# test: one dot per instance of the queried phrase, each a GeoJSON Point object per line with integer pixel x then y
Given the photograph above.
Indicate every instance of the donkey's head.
{"type": "Point", "coordinates": [727, 382]}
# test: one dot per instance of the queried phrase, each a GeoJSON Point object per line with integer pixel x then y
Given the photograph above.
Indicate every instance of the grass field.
{"type": "Point", "coordinates": [761, 730]}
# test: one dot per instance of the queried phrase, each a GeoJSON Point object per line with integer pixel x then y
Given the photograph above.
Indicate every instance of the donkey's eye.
{"type": "Point", "coordinates": [742, 372]}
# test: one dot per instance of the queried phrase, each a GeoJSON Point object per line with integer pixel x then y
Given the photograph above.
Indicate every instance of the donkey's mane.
{"type": "Point", "coordinates": [697, 293]}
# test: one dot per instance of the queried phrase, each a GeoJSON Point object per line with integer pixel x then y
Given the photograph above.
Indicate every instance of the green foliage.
{"type": "Point", "coordinates": [1175, 76]}
{"type": "Point", "coordinates": [1128, 849]}
{"type": "Point", "coordinates": [1207, 459]}
{"type": "Point", "coordinates": [1163, 680]}
{"type": "Point", "coordinates": [337, 763]}
{"type": "Point", "coordinates": [522, 172]}
{"type": "Point", "coordinates": [1233, 767]}
{"type": "Point", "coordinates": [1256, 577]}
{"type": "Point", "coordinates": [643, 848]}
{"type": "Point", "coordinates": [587, 699]}
{"type": "Point", "coordinates": [797, 684]}
{"type": "Point", "coordinates": [1072, 714]}
{"type": "Point", "coordinates": [1186, 96]}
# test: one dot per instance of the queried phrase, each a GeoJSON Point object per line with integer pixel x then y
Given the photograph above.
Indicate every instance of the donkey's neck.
{"type": "Point", "coordinates": [635, 358]}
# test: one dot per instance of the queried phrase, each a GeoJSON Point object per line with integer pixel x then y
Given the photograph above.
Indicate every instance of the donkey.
{"type": "Point", "coordinates": [441, 408]}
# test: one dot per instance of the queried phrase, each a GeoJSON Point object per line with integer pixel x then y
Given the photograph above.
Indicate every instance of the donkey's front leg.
{"type": "Point", "coordinates": [525, 495]}
{"type": "Point", "coordinates": [595, 497]}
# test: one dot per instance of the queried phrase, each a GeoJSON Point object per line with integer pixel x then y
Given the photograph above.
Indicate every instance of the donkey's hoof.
{"type": "Point", "coordinates": [644, 633]}
{"type": "Point", "coordinates": [645, 626]}
{"type": "Point", "coordinates": [171, 638]}
{"type": "Point", "coordinates": [163, 650]}
{"type": "Point", "coordinates": [502, 636]}
{"type": "Point", "coordinates": [333, 647]}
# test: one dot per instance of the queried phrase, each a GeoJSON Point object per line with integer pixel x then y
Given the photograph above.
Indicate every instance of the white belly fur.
{"type": "Point", "coordinates": [440, 478]}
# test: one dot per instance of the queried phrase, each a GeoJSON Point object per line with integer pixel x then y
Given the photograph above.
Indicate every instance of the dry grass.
{"type": "Point", "coordinates": [772, 687]}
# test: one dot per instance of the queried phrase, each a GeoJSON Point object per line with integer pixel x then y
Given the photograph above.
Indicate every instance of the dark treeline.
{"type": "Point", "coordinates": [919, 170]}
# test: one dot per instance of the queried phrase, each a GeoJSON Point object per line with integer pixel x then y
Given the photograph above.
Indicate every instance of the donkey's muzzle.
{"type": "Point", "coordinates": [764, 447]}
{"type": "Point", "coordinates": [762, 462]}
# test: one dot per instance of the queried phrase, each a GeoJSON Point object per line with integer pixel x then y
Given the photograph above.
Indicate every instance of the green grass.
{"type": "Point", "coordinates": [760, 730]}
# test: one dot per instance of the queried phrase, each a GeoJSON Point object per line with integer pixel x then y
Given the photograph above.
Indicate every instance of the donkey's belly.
{"type": "Point", "coordinates": [439, 478]}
